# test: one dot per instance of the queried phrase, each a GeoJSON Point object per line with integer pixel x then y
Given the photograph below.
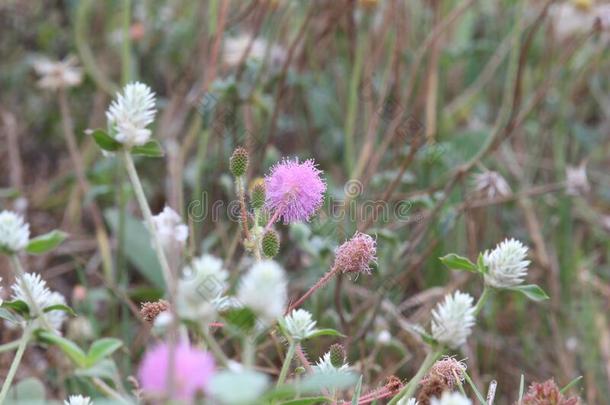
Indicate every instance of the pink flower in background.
{"type": "Point", "coordinates": [356, 255]}
{"type": "Point", "coordinates": [295, 190]}
{"type": "Point", "coordinates": [193, 370]}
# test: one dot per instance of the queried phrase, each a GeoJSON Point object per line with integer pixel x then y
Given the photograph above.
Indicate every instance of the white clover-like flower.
{"type": "Point", "coordinates": [506, 264]}
{"type": "Point", "coordinates": [131, 113]}
{"type": "Point", "coordinates": [453, 319]}
{"type": "Point", "coordinates": [299, 324]}
{"type": "Point", "coordinates": [200, 288]}
{"type": "Point", "coordinates": [58, 74]}
{"type": "Point", "coordinates": [407, 401]}
{"type": "Point", "coordinates": [324, 365]}
{"type": "Point", "coordinates": [171, 230]}
{"type": "Point", "coordinates": [451, 398]}
{"type": "Point", "coordinates": [33, 290]}
{"type": "Point", "coordinates": [491, 184]}
{"type": "Point", "coordinates": [14, 232]}
{"type": "Point", "coordinates": [78, 400]}
{"type": "Point", "coordinates": [264, 290]}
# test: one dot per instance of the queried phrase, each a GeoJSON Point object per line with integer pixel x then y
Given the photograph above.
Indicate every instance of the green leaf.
{"type": "Point", "coordinates": [308, 401]}
{"type": "Point", "coordinates": [151, 148]}
{"type": "Point", "coordinates": [481, 264]}
{"type": "Point", "coordinates": [105, 141]}
{"type": "Point", "coordinates": [102, 348]}
{"type": "Point", "coordinates": [60, 307]}
{"type": "Point", "coordinates": [105, 369]}
{"type": "Point", "coordinates": [71, 349]}
{"type": "Point", "coordinates": [357, 391]}
{"type": "Point", "coordinates": [9, 316]}
{"type": "Point", "coordinates": [325, 332]}
{"type": "Point", "coordinates": [45, 243]}
{"type": "Point", "coordinates": [456, 262]}
{"type": "Point", "coordinates": [18, 306]}
{"type": "Point", "coordinates": [531, 291]}
{"type": "Point", "coordinates": [241, 320]}
{"type": "Point", "coordinates": [138, 247]}
{"type": "Point", "coordinates": [30, 391]}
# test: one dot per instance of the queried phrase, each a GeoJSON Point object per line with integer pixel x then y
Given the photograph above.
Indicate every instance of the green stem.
{"type": "Point", "coordinates": [10, 346]}
{"type": "Point", "coordinates": [482, 299]}
{"type": "Point", "coordinates": [109, 391]}
{"type": "Point", "coordinates": [411, 386]}
{"type": "Point", "coordinates": [474, 388]}
{"type": "Point", "coordinates": [215, 347]}
{"type": "Point", "coordinates": [249, 351]}
{"type": "Point", "coordinates": [20, 273]}
{"type": "Point", "coordinates": [126, 48]}
{"type": "Point", "coordinates": [287, 361]}
{"type": "Point", "coordinates": [23, 342]}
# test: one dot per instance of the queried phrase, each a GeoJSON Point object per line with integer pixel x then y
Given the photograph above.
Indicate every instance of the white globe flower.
{"type": "Point", "coordinates": [407, 401]}
{"type": "Point", "coordinates": [131, 113]}
{"type": "Point", "coordinates": [78, 400]}
{"type": "Point", "coordinates": [453, 319]}
{"type": "Point", "coordinates": [14, 232]}
{"type": "Point", "coordinates": [33, 290]}
{"type": "Point", "coordinates": [506, 264]}
{"type": "Point", "coordinates": [58, 74]}
{"type": "Point", "coordinates": [451, 398]}
{"type": "Point", "coordinates": [324, 365]}
{"type": "Point", "coordinates": [171, 230]}
{"type": "Point", "coordinates": [200, 288]}
{"type": "Point", "coordinates": [299, 324]}
{"type": "Point", "coordinates": [263, 289]}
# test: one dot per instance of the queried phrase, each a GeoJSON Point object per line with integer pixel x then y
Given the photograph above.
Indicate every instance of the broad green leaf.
{"type": "Point", "coordinates": [456, 262]}
{"type": "Point", "coordinates": [70, 348]}
{"type": "Point", "coordinates": [17, 306]}
{"type": "Point", "coordinates": [151, 148]}
{"type": "Point", "coordinates": [45, 243]}
{"type": "Point", "coordinates": [138, 247]}
{"type": "Point", "coordinates": [105, 369]}
{"type": "Point", "coordinates": [60, 307]}
{"type": "Point", "coordinates": [531, 291]}
{"type": "Point", "coordinates": [238, 388]}
{"type": "Point", "coordinates": [102, 348]}
{"type": "Point", "coordinates": [105, 141]}
{"type": "Point", "coordinates": [325, 332]}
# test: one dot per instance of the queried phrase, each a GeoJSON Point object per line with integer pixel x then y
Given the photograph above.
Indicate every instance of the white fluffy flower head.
{"type": "Point", "coordinates": [58, 74]}
{"type": "Point", "coordinates": [32, 285]}
{"type": "Point", "coordinates": [299, 324]}
{"type": "Point", "coordinates": [171, 230]}
{"type": "Point", "coordinates": [451, 398]}
{"type": "Point", "coordinates": [14, 232]}
{"type": "Point", "coordinates": [131, 113]}
{"type": "Point", "coordinates": [263, 289]}
{"type": "Point", "coordinates": [200, 288]}
{"type": "Point", "coordinates": [453, 319]}
{"type": "Point", "coordinates": [324, 365]}
{"type": "Point", "coordinates": [506, 264]}
{"type": "Point", "coordinates": [78, 400]}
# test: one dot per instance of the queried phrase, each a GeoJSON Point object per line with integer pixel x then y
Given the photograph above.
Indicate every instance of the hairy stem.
{"type": "Point", "coordinates": [320, 283]}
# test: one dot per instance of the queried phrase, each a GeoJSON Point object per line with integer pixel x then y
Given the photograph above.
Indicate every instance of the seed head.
{"type": "Point", "coordinates": [338, 355]}
{"type": "Point", "coordinates": [271, 244]}
{"type": "Point", "coordinates": [238, 163]}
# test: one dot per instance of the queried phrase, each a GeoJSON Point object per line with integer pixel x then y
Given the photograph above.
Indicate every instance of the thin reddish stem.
{"type": "Point", "coordinates": [320, 283]}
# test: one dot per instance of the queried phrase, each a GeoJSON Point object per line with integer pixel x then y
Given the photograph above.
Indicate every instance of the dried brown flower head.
{"type": "Point", "coordinates": [449, 370]}
{"type": "Point", "coordinates": [547, 393]}
{"type": "Point", "coordinates": [432, 386]}
{"type": "Point", "coordinates": [150, 310]}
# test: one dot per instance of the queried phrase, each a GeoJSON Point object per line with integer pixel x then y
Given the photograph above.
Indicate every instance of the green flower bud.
{"type": "Point", "coordinates": [271, 243]}
{"type": "Point", "coordinates": [238, 164]}
{"type": "Point", "coordinates": [337, 355]}
{"type": "Point", "coordinates": [257, 194]}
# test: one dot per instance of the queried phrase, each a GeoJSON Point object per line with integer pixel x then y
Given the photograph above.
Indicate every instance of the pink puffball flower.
{"type": "Point", "coordinates": [356, 255]}
{"type": "Point", "coordinates": [295, 190]}
{"type": "Point", "coordinates": [193, 371]}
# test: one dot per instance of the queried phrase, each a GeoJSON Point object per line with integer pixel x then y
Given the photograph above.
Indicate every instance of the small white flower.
{"type": "Point", "coordinates": [263, 289]}
{"type": "Point", "coordinates": [78, 400]}
{"type": "Point", "coordinates": [235, 48]}
{"type": "Point", "coordinates": [299, 324]}
{"type": "Point", "coordinates": [14, 232]}
{"type": "Point", "coordinates": [384, 337]}
{"type": "Point", "coordinates": [577, 182]}
{"type": "Point", "coordinates": [506, 264]}
{"type": "Point", "coordinates": [491, 184]}
{"type": "Point", "coordinates": [171, 230]}
{"type": "Point", "coordinates": [453, 319]}
{"type": "Point", "coordinates": [407, 401]}
{"type": "Point", "coordinates": [32, 285]}
{"type": "Point", "coordinates": [451, 398]}
{"type": "Point", "coordinates": [200, 288]}
{"type": "Point", "coordinates": [58, 74]}
{"type": "Point", "coordinates": [325, 366]}
{"type": "Point", "coordinates": [131, 113]}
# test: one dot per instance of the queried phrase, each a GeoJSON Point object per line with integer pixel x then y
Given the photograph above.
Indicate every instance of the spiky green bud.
{"type": "Point", "coordinates": [337, 355]}
{"type": "Point", "coordinates": [271, 244]}
{"type": "Point", "coordinates": [238, 164]}
{"type": "Point", "coordinates": [257, 194]}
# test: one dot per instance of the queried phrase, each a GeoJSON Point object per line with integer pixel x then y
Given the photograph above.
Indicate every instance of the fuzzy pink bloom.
{"type": "Point", "coordinates": [356, 255]}
{"type": "Point", "coordinates": [295, 190]}
{"type": "Point", "coordinates": [193, 370]}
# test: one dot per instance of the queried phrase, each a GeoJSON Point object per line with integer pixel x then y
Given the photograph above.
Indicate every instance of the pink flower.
{"type": "Point", "coordinates": [355, 255]}
{"type": "Point", "coordinates": [193, 370]}
{"type": "Point", "coordinates": [295, 191]}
